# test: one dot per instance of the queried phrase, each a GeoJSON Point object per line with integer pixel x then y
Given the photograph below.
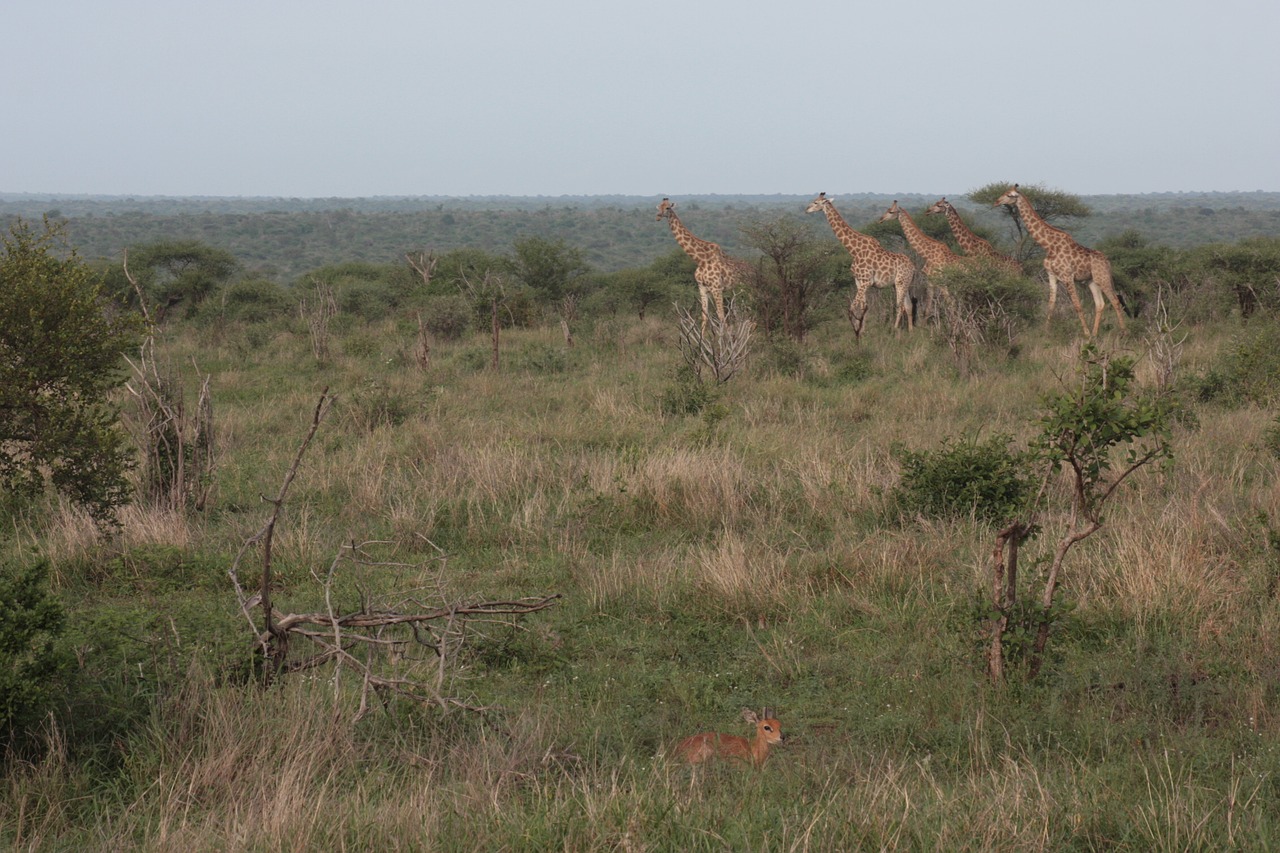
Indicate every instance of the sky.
{"type": "Point", "coordinates": [591, 97]}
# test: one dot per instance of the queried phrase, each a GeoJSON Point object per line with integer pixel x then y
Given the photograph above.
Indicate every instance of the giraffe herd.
{"type": "Point", "coordinates": [1065, 261]}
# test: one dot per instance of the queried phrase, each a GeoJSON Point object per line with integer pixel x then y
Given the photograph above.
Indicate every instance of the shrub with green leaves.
{"type": "Point", "coordinates": [60, 360]}
{"type": "Point", "coordinates": [965, 477]}
{"type": "Point", "coordinates": [687, 394]}
{"type": "Point", "coordinates": [1248, 372]}
{"type": "Point", "coordinates": [448, 317]}
{"type": "Point", "coordinates": [32, 661]}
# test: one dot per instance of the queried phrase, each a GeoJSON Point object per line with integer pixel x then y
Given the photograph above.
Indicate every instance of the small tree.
{"type": "Point", "coordinates": [551, 268]}
{"type": "Point", "coordinates": [1082, 428]}
{"type": "Point", "coordinates": [790, 278]}
{"type": "Point", "coordinates": [61, 356]}
{"type": "Point", "coordinates": [1099, 431]}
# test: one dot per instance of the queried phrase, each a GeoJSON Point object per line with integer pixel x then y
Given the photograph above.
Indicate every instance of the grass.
{"type": "Point", "coordinates": [746, 557]}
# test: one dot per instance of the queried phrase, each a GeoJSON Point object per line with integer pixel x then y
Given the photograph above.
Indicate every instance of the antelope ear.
{"type": "Point", "coordinates": [750, 715]}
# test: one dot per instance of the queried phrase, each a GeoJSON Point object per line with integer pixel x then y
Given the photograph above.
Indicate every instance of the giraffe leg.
{"type": "Point", "coordinates": [1075, 299]}
{"type": "Point", "coordinates": [717, 293]}
{"type": "Point", "coordinates": [902, 292]}
{"type": "Point", "coordinates": [702, 297]}
{"type": "Point", "coordinates": [1102, 280]}
{"type": "Point", "coordinates": [858, 310]}
{"type": "Point", "coordinates": [1099, 305]}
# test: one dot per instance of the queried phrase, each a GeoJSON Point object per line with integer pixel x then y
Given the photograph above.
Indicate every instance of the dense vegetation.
{"type": "Point", "coordinates": [814, 535]}
{"type": "Point", "coordinates": [283, 238]}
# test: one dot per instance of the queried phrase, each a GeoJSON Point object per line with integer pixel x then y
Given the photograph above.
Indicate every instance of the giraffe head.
{"type": "Point", "coordinates": [939, 206]}
{"type": "Point", "coordinates": [1010, 196]}
{"type": "Point", "coordinates": [819, 203]}
{"type": "Point", "coordinates": [891, 213]}
{"type": "Point", "coordinates": [666, 208]}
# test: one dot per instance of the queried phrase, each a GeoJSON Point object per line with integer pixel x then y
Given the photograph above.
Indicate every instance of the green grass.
{"type": "Point", "coordinates": [748, 558]}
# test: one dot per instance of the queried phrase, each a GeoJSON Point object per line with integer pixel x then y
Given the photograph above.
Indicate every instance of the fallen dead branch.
{"type": "Point", "coordinates": [375, 640]}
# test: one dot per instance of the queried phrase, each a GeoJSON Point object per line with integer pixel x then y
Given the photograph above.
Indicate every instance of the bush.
{"type": "Point", "coordinates": [1249, 371]}
{"type": "Point", "coordinates": [687, 394]}
{"type": "Point", "coordinates": [254, 301]}
{"type": "Point", "coordinates": [541, 358]}
{"type": "Point", "coordinates": [60, 361]}
{"type": "Point", "coordinates": [32, 658]}
{"type": "Point", "coordinates": [447, 317]}
{"type": "Point", "coordinates": [986, 310]}
{"type": "Point", "coordinates": [965, 477]}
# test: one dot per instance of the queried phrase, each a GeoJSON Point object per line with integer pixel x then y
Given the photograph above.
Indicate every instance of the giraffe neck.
{"type": "Point", "coordinates": [920, 241]}
{"type": "Point", "coordinates": [970, 242]}
{"type": "Point", "coordinates": [1042, 232]}
{"type": "Point", "coordinates": [693, 247]}
{"type": "Point", "coordinates": [855, 242]}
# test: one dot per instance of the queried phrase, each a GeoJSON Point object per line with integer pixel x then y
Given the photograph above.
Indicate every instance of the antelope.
{"type": "Point", "coordinates": [698, 748]}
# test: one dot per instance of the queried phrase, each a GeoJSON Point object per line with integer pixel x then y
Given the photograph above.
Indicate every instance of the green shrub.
{"type": "Point", "coordinates": [254, 301]}
{"type": "Point", "coordinates": [784, 355]}
{"type": "Point", "coordinates": [368, 300]}
{"type": "Point", "coordinates": [687, 394]}
{"type": "Point", "coordinates": [32, 657]}
{"type": "Point", "coordinates": [1248, 372]}
{"type": "Point", "coordinates": [965, 477]}
{"type": "Point", "coordinates": [447, 317]}
{"type": "Point", "coordinates": [541, 358]}
{"type": "Point", "coordinates": [995, 302]}
{"type": "Point", "coordinates": [361, 344]}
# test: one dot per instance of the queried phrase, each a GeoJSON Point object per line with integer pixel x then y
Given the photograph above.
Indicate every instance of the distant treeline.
{"type": "Point", "coordinates": [282, 238]}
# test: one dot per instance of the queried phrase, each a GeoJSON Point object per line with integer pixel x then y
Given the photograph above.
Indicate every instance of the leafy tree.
{"type": "Point", "coordinates": [1098, 430]}
{"type": "Point", "coordinates": [182, 271]}
{"type": "Point", "coordinates": [638, 288]}
{"type": "Point", "coordinates": [461, 265]}
{"type": "Point", "coordinates": [60, 357]}
{"type": "Point", "coordinates": [551, 268]}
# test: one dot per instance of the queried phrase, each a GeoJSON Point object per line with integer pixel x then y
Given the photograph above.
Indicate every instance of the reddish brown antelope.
{"type": "Point", "coordinates": [699, 748]}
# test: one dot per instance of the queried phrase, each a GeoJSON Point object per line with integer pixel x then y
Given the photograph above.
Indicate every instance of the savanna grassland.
{"type": "Point", "coordinates": [742, 550]}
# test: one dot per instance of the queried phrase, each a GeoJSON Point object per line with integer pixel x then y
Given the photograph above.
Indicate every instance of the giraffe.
{"type": "Point", "coordinates": [937, 255]}
{"type": "Point", "coordinates": [873, 266]}
{"type": "Point", "coordinates": [716, 271]}
{"type": "Point", "coordinates": [1067, 261]}
{"type": "Point", "coordinates": [973, 245]}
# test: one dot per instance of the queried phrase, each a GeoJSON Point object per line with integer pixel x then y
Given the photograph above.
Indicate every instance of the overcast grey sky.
{"type": "Point", "coordinates": [479, 97]}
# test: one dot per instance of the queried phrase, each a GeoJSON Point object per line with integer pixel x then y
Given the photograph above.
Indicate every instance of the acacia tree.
{"type": "Point", "coordinates": [175, 272]}
{"type": "Point", "coordinates": [61, 355]}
